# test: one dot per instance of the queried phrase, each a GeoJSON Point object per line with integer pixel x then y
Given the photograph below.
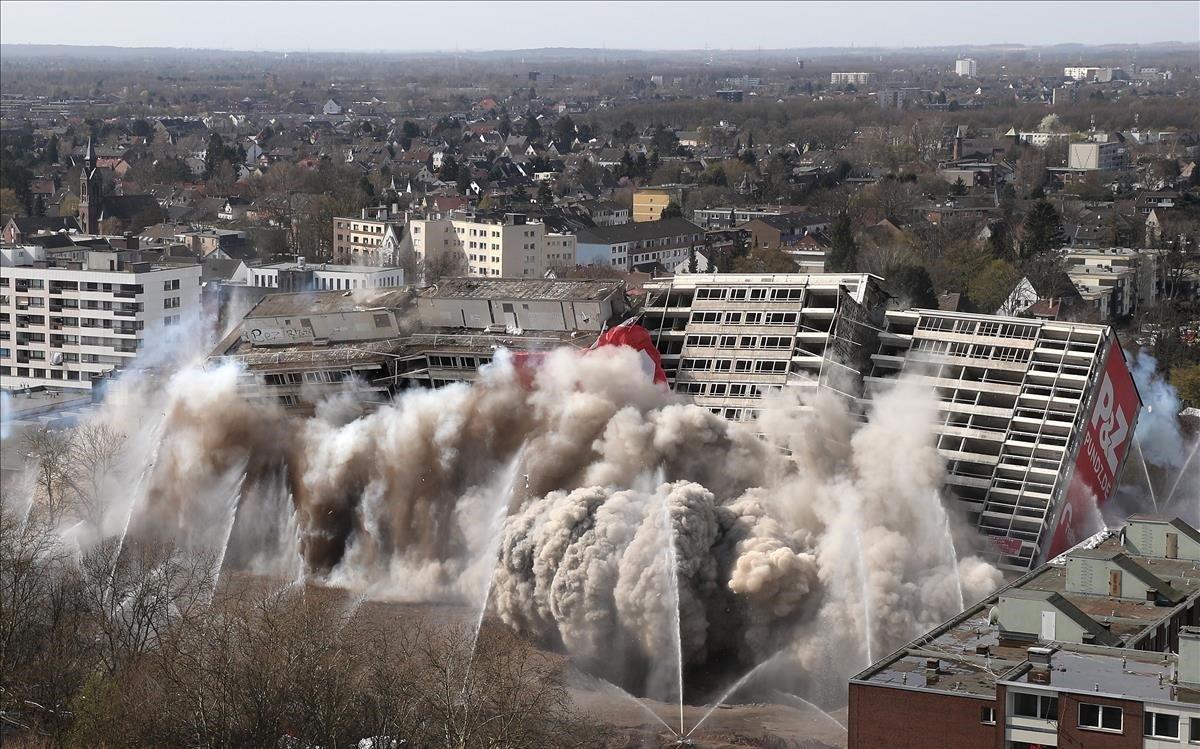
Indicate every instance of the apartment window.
{"type": "Point", "coordinates": [1035, 706]}
{"type": "Point", "coordinates": [382, 320]}
{"type": "Point", "coordinates": [786, 294]}
{"type": "Point", "coordinates": [1100, 717]}
{"type": "Point", "coordinates": [987, 716]}
{"type": "Point", "coordinates": [1194, 731]}
{"type": "Point", "coordinates": [1162, 725]}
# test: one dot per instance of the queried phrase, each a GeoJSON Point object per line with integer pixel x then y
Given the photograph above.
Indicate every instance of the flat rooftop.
{"type": "Point", "coordinates": [434, 340]}
{"type": "Point", "coordinates": [1120, 673]}
{"type": "Point", "coordinates": [365, 270]}
{"type": "Point", "coordinates": [304, 303]}
{"type": "Point", "coordinates": [973, 657]}
{"type": "Point", "coordinates": [557, 290]}
{"type": "Point", "coordinates": [823, 280]}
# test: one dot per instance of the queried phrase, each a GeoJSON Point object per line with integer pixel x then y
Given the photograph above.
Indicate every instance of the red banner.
{"type": "Point", "coordinates": [1106, 437]}
{"type": "Point", "coordinates": [628, 333]}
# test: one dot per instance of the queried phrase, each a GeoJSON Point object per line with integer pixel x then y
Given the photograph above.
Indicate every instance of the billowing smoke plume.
{"type": "Point", "coordinates": [1162, 474]}
{"type": "Point", "coordinates": [595, 510]}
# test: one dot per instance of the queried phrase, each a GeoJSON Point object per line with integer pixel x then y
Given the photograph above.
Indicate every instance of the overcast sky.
{"type": "Point", "coordinates": [427, 25]}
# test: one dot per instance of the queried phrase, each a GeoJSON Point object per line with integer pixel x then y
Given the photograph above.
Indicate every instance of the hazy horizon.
{"type": "Point", "coordinates": [516, 26]}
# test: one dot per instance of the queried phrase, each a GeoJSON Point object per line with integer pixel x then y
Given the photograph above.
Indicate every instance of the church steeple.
{"type": "Point", "coordinates": [90, 188]}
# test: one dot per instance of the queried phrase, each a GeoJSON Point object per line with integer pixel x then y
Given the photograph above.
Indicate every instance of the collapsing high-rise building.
{"type": "Point", "coordinates": [1036, 416]}
{"type": "Point", "coordinates": [726, 339]}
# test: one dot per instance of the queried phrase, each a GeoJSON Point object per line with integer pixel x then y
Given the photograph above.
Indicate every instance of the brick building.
{"type": "Point", "coordinates": [1099, 648]}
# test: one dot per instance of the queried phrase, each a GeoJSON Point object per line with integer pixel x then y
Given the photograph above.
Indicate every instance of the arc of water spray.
{"type": "Point", "coordinates": [672, 563]}
{"type": "Point", "coordinates": [138, 492]}
{"type": "Point", "coordinates": [1182, 473]}
{"type": "Point", "coordinates": [235, 501]}
{"type": "Point", "coordinates": [949, 535]}
{"type": "Point", "coordinates": [640, 704]}
{"type": "Point", "coordinates": [806, 703]}
{"type": "Point", "coordinates": [732, 691]}
{"type": "Point", "coordinates": [492, 553]}
{"type": "Point", "coordinates": [866, 594]}
{"type": "Point", "coordinates": [1137, 443]}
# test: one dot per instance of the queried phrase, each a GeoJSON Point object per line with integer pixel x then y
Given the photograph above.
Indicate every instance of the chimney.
{"type": "Point", "coordinates": [1039, 660]}
{"type": "Point", "coordinates": [931, 670]}
{"type": "Point", "coordinates": [131, 241]}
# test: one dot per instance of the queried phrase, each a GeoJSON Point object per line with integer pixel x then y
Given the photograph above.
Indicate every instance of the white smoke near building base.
{"type": "Point", "coordinates": [1162, 470]}
{"type": "Point", "coordinates": [609, 515]}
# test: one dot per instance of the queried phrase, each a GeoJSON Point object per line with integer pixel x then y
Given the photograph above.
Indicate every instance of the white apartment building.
{"type": "Point", "coordinates": [62, 324]}
{"type": "Point", "coordinates": [364, 239]}
{"type": "Point", "coordinates": [1041, 140]}
{"type": "Point", "coordinates": [495, 246]}
{"type": "Point", "coordinates": [728, 218]}
{"type": "Point", "coordinates": [965, 67]}
{"type": "Point", "coordinates": [726, 339]}
{"type": "Point", "coordinates": [1113, 280]}
{"type": "Point", "coordinates": [1103, 157]}
{"type": "Point", "coordinates": [1015, 395]}
{"type": "Point", "coordinates": [302, 276]}
{"type": "Point", "coordinates": [1081, 73]}
{"type": "Point", "coordinates": [845, 79]}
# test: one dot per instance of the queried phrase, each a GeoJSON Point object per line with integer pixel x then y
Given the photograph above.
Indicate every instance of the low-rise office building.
{"type": "Point", "coordinates": [628, 246]}
{"type": "Point", "coordinates": [300, 275]}
{"type": "Point", "coordinates": [732, 216]}
{"type": "Point", "coordinates": [298, 347]}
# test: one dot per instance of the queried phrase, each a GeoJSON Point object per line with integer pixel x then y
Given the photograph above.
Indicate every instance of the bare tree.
{"type": "Point", "coordinates": [137, 592]}
{"type": "Point", "coordinates": [49, 450]}
{"type": "Point", "coordinates": [95, 449]}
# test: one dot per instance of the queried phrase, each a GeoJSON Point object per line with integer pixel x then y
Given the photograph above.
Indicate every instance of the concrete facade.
{"type": "Point", "coordinates": [361, 239]}
{"type": "Point", "coordinates": [728, 339]}
{"type": "Point", "coordinates": [649, 202]}
{"type": "Point", "coordinates": [303, 276]}
{"type": "Point", "coordinates": [1105, 157]}
{"type": "Point", "coordinates": [1013, 397]}
{"type": "Point", "coordinates": [508, 246]}
{"type": "Point", "coordinates": [67, 325]}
